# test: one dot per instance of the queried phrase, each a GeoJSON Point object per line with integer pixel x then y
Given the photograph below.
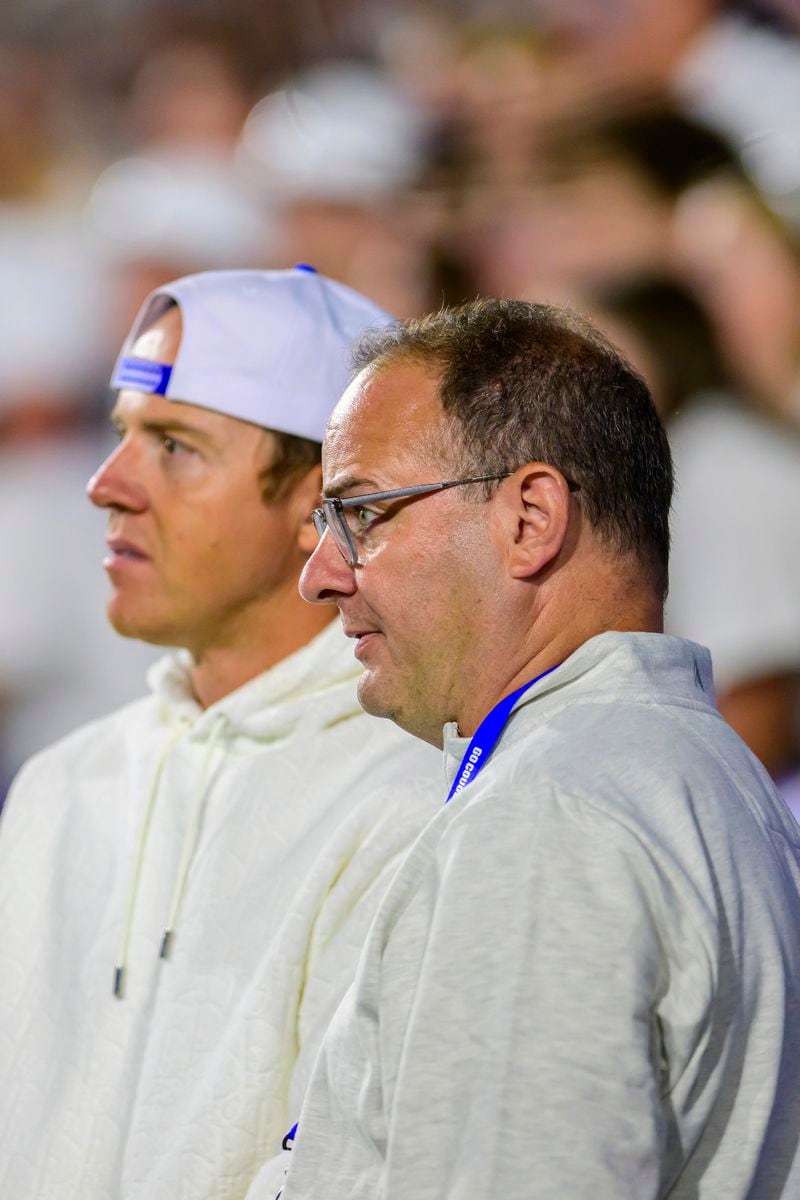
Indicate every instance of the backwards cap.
{"type": "Point", "coordinates": [270, 347]}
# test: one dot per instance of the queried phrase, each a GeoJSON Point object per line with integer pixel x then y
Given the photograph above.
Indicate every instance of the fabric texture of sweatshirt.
{"type": "Point", "coordinates": [584, 980]}
{"type": "Point", "coordinates": [261, 832]}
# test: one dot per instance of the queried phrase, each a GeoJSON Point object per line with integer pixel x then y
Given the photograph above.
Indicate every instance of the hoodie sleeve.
{"type": "Point", "coordinates": [382, 832]}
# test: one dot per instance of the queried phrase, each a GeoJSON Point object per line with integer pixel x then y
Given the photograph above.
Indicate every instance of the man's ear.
{"type": "Point", "coordinates": [534, 509]}
{"type": "Point", "coordinates": [306, 496]}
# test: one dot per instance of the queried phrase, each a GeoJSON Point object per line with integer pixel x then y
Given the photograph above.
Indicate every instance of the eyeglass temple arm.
{"type": "Point", "coordinates": [395, 494]}
{"type": "Point", "coordinates": [417, 489]}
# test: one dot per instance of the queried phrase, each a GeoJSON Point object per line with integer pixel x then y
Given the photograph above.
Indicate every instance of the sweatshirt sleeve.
{"type": "Point", "coordinates": [382, 832]}
{"type": "Point", "coordinates": [529, 1058]}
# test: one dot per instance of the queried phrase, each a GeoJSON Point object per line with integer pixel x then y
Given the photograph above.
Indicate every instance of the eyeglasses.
{"type": "Point", "coordinates": [349, 519]}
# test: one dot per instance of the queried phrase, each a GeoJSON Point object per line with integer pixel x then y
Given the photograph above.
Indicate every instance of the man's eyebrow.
{"type": "Point", "coordinates": [348, 484]}
{"type": "Point", "coordinates": [175, 425]}
{"type": "Point", "coordinates": [165, 425]}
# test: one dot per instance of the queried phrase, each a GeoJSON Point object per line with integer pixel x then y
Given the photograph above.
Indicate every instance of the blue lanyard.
{"type": "Point", "coordinates": [486, 737]}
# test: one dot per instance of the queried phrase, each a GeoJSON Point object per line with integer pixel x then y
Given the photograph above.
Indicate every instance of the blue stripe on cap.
{"type": "Point", "coordinates": [142, 374]}
{"type": "Point", "coordinates": [305, 267]}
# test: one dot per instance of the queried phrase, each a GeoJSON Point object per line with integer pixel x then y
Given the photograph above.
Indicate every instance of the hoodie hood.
{"type": "Point", "coordinates": [315, 686]}
{"type": "Point", "coordinates": [310, 690]}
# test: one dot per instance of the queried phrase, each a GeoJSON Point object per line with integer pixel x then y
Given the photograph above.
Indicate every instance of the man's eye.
{"type": "Point", "coordinates": [362, 518]}
{"type": "Point", "coordinates": [365, 517]}
{"type": "Point", "coordinates": [170, 445]}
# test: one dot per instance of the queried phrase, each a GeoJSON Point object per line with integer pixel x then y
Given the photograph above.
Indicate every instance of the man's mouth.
{"type": "Point", "coordinates": [364, 641]}
{"type": "Point", "coordinates": [363, 637]}
{"type": "Point", "coordinates": [121, 551]}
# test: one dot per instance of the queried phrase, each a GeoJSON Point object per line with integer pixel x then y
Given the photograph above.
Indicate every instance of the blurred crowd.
{"type": "Point", "coordinates": [637, 160]}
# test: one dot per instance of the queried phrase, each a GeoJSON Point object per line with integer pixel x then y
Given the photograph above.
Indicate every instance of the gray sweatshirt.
{"type": "Point", "coordinates": [584, 981]}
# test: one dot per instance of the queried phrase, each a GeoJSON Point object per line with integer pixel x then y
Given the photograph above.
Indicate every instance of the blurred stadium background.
{"type": "Point", "coordinates": [635, 159]}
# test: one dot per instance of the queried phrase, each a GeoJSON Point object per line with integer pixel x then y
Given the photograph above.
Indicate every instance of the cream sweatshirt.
{"type": "Point", "coordinates": [261, 832]}
{"type": "Point", "coordinates": [584, 981]}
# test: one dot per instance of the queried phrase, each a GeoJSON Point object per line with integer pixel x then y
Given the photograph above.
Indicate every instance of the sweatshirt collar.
{"type": "Point", "coordinates": [271, 704]}
{"type": "Point", "coordinates": [628, 666]}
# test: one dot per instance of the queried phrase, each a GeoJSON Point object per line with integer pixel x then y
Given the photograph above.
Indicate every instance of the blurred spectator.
{"type": "Point", "coordinates": [190, 92]}
{"type": "Point", "coordinates": [419, 46]}
{"type": "Point", "coordinates": [744, 79]}
{"type": "Point", "coordinates": [575, 220]}
{"type": "Point", "coordinates": [155, 218]}
{"type": "Point", "coordinates": [642, 192]}
{"type": "Point", "coordinates": [597, 203]}
{"type": "Point", "coordinates": [60, 662]}
{"type": "Point", "coordinates": [719, 65]}
{"type": "Point", "coordinates": [499, 84]}
{"type": "Point", "coordinates": [786, 12]}
{"type": "Point", "coordinates": [337, 152]}
{"type": "Point", "coordinates": [43, 158]}
{"type": "Point", "coordinates": [746, 268]}
{"type": "Point", "coordinates": [735, 563]}
{"type": "Point", "coordinates": [50, 332]}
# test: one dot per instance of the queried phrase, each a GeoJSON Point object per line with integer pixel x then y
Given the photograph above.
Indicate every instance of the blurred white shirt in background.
{"type": "Point", "coordinates": [61, 663]}
{"type": "Point", "coordinates": [735, 560]}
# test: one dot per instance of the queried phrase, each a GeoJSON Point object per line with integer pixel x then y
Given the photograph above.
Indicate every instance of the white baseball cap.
{"type": "Point", "coordinates": [270, 347]}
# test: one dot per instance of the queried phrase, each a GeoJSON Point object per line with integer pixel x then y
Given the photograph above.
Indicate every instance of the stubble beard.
{"type": "Point", "coordinates": [407, 707]}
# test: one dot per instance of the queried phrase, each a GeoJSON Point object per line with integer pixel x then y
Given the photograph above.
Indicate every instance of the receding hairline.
{"type": "Point", "coordinates": [370, 358]}
{"type": "Point", "coordinates": [436, 447]}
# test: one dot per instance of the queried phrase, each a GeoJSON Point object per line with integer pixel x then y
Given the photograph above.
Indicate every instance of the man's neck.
{"type": "Point", "coordinates": [221, 668]}
{"type": "Point", "coordinates": [481, 702]}
{"type": "Point", "coordinates": [645, 615]}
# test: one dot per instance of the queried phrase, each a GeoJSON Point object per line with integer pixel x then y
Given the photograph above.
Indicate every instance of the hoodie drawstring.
{"type": "Point", "coordinates": [187, 850]}
{"type": "Point", "coordinates": [190, 838]}
{"type": "Point", "coordinates": [144, 829]}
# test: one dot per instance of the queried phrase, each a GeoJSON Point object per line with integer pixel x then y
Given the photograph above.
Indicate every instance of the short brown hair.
{"type": "Point", "coordinates": [292, 457]}
{"type": "Point", "coordinates": [527, 382]}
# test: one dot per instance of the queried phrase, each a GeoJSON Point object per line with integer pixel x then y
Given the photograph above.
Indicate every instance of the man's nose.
{"type": "Point", "coordinates": [326, 576]}
{"type": "Point", "coordinates": [115, 484]}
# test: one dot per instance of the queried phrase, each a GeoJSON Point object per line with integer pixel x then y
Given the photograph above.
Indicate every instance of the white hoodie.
{"type": "Point", "coordinates": [262, 832]}
{"type": "Point", "coordinates": [584, 980]}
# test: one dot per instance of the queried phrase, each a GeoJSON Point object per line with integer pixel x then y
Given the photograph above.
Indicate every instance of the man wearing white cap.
{"type": "Point", "coordinates": [186, 883]}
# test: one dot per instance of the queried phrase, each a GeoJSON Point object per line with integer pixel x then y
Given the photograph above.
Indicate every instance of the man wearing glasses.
{"type": "Point", "coordinates": [584, 980]}
{"type": "Point", "coordinates": [186, 884]}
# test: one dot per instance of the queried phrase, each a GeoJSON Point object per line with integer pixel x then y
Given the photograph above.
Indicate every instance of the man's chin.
{"type": "Point", "coordinates": [373, 698]}
{"type": "Point", "coordinates": [138, 626]}
{"type": "Point", "coordinates": [380, 700]}
{"type": "Point", "coordinates": [382, 697]}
